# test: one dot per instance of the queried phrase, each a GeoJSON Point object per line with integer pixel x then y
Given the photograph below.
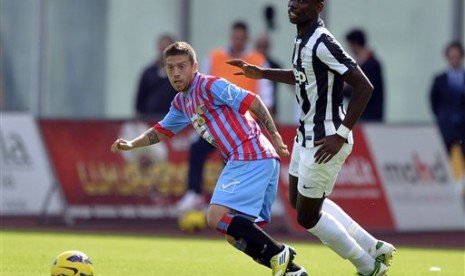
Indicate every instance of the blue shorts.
{"type": "Point", "coordinates": [248, 187]}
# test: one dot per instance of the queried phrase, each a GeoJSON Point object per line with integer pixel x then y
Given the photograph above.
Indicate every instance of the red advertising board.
{"type": "Point", "coordinates": [358, 189]}
{"type": "Point", "coordinates": [90, 174]}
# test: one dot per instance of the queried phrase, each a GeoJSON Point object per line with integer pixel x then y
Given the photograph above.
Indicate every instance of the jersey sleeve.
{"type": "Point", "coordinates": [231, 95]}
{"type": "Point", "coordinates": [173, 122]}
{"type": "Point", "coordinates": [330, 52]}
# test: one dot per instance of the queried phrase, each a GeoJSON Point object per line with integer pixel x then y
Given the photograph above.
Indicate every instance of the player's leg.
{"type": "Point", "coordinates": [244, 234]}
{"type": "Point", "coordinates": [199, 152]}
{"type": "Point", "coordinates": [238, 192]}
{"type": "Point", "coordinates": [293, 268]}
{"type": "Point", "coordinates": [242, 187]}
{"type": "Point", "coordinates": [315, 181]}
{"type": "Point", "coordinates": [377, 249]}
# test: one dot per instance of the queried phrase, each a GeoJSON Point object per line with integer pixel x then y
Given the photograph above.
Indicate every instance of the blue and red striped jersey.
{"type": "Point", "coordinates": [217, 109]}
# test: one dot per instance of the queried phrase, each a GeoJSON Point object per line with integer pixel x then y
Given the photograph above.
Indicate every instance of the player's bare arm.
{"type": "Point", "coordinates": [149, 137]}
{"type": "Point", "coordinates": [258, 108]}
{"type": "Point", "coordinates": [362, 92]}
{"type": "Point", "coordinates": [255, 72]}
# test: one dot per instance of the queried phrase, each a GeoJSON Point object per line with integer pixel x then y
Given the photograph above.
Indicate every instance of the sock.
{"type": "Point", "coordinates": [242, 246]}
{"type": "Point", "coordinates": [365, 264]}
{"type": "Point", "coordinates": [363, 238]}
{"type": "Point", "coordinates": [334, 235]}
{"type": "Point", "coordinates": [249, 238]}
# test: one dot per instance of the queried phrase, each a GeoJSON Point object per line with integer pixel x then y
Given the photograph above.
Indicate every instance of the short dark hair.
{"type": "Point", "coordinates": [357, 37]}
{"type": "Point", "coordinates": [455, 44]}
{"type": "Point", "coordinates": [240, 25]}
{"type": "Point", "coordinates": [180, 48]}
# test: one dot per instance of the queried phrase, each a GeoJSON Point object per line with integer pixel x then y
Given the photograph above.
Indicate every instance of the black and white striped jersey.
{"type": "Point", "coordinates": [319, 64]}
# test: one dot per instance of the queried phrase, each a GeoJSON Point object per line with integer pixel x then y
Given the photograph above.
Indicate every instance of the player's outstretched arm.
{"type": "Point", "coordinates": [147, 138]}
{"type": "Point", "coordinates": [255, 72]}
{"type": "Point", "coordinates": [258, 108]}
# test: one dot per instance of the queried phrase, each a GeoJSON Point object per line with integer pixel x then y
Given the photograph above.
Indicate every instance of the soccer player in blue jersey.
{"type": "Point", "coordinates": [220, 112]}
{"type": "Point", "coordinates": [324, 139]}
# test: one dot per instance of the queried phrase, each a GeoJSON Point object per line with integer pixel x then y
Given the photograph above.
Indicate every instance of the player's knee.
{"type": "Point", "coordinates": [214, 215]}
{"type": "Point", "coordinates": [212, 219]}
{"type": "Point", "coordinates": [307, 220]}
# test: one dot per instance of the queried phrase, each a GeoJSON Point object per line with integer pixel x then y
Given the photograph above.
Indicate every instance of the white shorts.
{"type": "Point", "coordinates": [316, 180]}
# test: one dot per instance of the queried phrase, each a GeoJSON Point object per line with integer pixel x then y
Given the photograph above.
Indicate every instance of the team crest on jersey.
{"type": "Point", "coordinates": [201, 121]}
{"type": "Point", "coordinates": [201, 109]}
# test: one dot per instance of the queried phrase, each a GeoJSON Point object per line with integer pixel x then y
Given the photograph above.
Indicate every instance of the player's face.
{"type": "Point", "coordinates": [302, 11]}
{"type": "Point", "coordinates": [180, 71]}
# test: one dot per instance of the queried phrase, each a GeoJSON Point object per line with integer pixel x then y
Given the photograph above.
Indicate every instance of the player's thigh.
{"type": "Point", "coordinates": [308, 210]}
{"type": "Point", "coordinates": [292, 190]}
{"type": "Point", "coordinates": [271, 190]}
{"type": "Point", "coordinates": [317, 180]}
{"type": "Point", "coordinates": [244, 186]}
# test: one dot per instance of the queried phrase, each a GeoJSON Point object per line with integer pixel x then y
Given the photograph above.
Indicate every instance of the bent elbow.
{"type": "Point", "coordinates": [368, 89]}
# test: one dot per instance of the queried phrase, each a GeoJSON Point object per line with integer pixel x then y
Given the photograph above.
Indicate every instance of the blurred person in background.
{"type": "Point", "coordinates": [448, 98]}
{"type": "Point", "coordinates": [153, 100]}
{"type": "Point", "coordinates": [1, 93]}
{"type": "Point", "coordinates": [324, 138]}
{"type": "Point", "coordinates": [248, 184]}
{"type": "Point", "coordinates": [263, 45]}
{"type": "Point", "coordinates": [366, 59]}
{"type": "Point", "coordinates": [215, 64]}
{"type": "Point", "coordinates": [154, 93]}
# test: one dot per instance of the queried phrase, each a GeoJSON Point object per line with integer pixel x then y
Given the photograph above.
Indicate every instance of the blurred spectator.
{"type": "Point", "coordinates": [155, 93]}
{"type": "Point", "coordinates": [263, 45]}
{"type": "Point", "coordinates": [357, 41]}
{"type": "Point", "coordinates": [1, 93]}
{"type": "Point", "coordinates": [448, 98]}
{"type": "Point", "coordinates": [215, 64]}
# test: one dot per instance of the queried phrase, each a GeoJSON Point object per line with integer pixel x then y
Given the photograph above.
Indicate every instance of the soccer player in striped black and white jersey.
{"type": "Point", "coordinates": [221, 113]}
{"type": "Point", "coordinates": [324, 139]}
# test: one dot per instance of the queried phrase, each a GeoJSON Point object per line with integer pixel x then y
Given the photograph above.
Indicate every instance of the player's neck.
{"type": "Point", "coordinates": [185, 91]}
{"type": "Point", "coordinates": [306, 27]}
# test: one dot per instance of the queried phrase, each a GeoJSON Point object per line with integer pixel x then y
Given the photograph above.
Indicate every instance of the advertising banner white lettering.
{"type": "Point", "coordinates": [25, 174]}
{"type": "Point", "coordinates": [415, 173]}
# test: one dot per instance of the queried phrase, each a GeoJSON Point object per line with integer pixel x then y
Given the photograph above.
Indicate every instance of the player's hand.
{"type": "Point", "coordinates": [330, 146]}
{"type": "Point", "coordinates": [279, 145]}
{"type": "Point", "coordinates": [121, 144]}
{"type": "Point", "coordinates": [248, 70]}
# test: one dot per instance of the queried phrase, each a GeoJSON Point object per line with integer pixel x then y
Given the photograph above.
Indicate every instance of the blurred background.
{"type": "Point", "coordinates": [82, 58]}
{"type": "Point", "coordinates": [72, 68]}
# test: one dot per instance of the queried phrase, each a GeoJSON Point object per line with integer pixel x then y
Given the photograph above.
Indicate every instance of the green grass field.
{"type": "Point", "coordinates": [31, 253]}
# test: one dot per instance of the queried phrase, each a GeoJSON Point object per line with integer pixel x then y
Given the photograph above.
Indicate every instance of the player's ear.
{"type": "Point", "coordinates": [195, 67]}
{"type": "Point", "coordinates": [320, 6]}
